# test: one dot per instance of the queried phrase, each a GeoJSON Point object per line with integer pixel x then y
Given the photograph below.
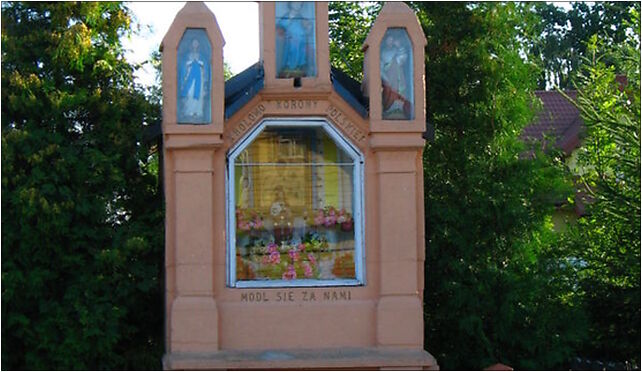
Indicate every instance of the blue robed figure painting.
{"type": "Point", "coordinates": [194, 78]}
{"type": "Point", "coordinates": [295, 39]}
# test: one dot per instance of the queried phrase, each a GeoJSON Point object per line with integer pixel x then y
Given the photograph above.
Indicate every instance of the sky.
{"type": "Point", "coordinates": [239, 23]}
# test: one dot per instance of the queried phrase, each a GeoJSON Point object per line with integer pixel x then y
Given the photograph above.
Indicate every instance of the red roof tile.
{"type": "Point", "coordinates": [558, 120]}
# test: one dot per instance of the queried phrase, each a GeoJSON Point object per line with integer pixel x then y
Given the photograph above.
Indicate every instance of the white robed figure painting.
{"type": "Point", "coordinates": [396, 75]}
{"type": "Point", "coordinates": [194, 78]}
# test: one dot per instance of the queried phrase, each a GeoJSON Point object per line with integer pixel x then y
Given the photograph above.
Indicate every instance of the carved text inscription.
{"type": "Point", "coordinates": [302, 106]}
{"type": "Point", "coordinates": [292, 296]}
{"type": "Point", "coordinates": [346, 124]}
{"type": "Point", "coordinates": [296, 104]}
{"type": "Point", "coordinates": [247, 121]}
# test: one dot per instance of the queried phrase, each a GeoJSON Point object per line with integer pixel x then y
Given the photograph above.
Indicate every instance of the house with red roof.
{"type": "Point", "coordinates": [558, 120]}
{"type": "Point", "coordinates": [559, 124]}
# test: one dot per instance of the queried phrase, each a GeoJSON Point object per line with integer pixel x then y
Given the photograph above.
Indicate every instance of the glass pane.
{"type": "Point", "coordinates": [194, 77]}
{"type": "Point", "coordinates": [396, 75]}
{"type": "Point", "coordinates": [295, 40]}
{"type": "Point", "coordinates": [294, 213]}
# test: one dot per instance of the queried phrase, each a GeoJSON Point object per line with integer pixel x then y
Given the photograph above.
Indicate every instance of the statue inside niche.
{"type": "Point", "coordinates": [295, 39]}
{"type": "Point", "coordinates": [194, 73]}
{"type": "Point", "coordinates": [281, 215]}
{"type": "Point", "coordinates": [396, 75]}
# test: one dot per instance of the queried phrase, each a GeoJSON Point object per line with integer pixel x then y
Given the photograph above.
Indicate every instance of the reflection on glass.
{"type": "Point", "coordinates": [294, 213]}
{"type": "Point", "coordinates": [194, 76]}
{"type": "Point", "coordinates": [295, 40]}
{"type": "Point", "coordinates": [396, 75]}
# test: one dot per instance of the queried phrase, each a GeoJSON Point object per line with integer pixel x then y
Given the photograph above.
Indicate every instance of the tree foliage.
{"type": "Point", "coordinates": [227, 71]}
{"type": "Point", "coordinates": [494, 290]}
{"type": "Point", "coordinates": [606, 241]}
{"type": "Point", "coordinates": [349, 23]}
{"type": "Point", "coordinates": [82, 218]}
{"type": "Point", "coordinates": [559, 39]}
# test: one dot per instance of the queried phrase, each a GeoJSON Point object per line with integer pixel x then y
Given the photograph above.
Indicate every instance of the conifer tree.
{"type": "Point", "coordinates": [606, 242]}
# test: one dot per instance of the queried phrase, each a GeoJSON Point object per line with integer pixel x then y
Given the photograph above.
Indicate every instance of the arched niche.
{"type": "Point", "coordinates": [397, 79]}
{"type": "Point", "coordinates": [194, 78]}
{"type": "Point", "coordinates": [194, 20]}
{"type": "Point", "coordinates": [394, 71]}
{"type": "Point", "coordinates": [294, 213]}
{"type": "Point", "coordinates": [295, 45]}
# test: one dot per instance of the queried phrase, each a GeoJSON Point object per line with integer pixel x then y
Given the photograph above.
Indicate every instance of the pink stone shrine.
{"type": "Point", "coordinates": [294, 196]}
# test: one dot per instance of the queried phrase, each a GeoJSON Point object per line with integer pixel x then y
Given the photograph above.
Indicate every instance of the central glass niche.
{"type": "Point", "coordinates": [296, 204]}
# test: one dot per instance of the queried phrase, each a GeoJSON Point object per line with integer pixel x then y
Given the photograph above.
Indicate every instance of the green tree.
{"type": "Point", "coordinates": [607, 239]}
{"type": "Point", "coordinates": [496, 290]}
{"type": "Point", "coordinates": [82, 218]}
{"type": "Point", "coordinates": [349, 23]}
{"type": "Point", "coordinates": [227, 71]}
{"type": "Point", "coordinates": [559, 40]}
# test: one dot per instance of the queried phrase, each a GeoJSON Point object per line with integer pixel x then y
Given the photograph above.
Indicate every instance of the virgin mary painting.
{"type": "Point", "coordinates": [194, 74]}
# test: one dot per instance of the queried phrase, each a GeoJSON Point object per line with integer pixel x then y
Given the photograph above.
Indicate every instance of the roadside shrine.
{"type": "Point", "coordinates": [294, 196]}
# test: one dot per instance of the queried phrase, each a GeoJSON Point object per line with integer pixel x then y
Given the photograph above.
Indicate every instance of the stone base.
{"type": "Point", "coordinates": [343, 358]}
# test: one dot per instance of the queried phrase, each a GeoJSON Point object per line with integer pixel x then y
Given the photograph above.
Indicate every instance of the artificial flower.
{"type": "Point", "coordinates": [290, 273]}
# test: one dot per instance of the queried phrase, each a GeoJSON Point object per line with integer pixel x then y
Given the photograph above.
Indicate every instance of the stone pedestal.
{"type": "Point", "coordinates": [297, 359]}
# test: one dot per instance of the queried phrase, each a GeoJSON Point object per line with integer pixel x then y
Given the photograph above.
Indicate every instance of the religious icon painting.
{"type": "Point", "coordinates": [396, 60]}
{"type": "Point", "coordinates": [295, 39]}
{"type": "Point", "coordinates": [294, 208]}
{"type": "Point", "coordinates": [194, 78]}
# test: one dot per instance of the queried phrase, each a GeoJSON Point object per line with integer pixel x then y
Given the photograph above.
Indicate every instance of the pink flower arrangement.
{"type": "Point", "coordinates": [329, 217]}
{"type": "Point", "coordinates": [275, 257]}
{"type": "Point", "coordinates": [272, 247]}
{"type": "Point", "coordinates": [294, 254]}
{"type": "Point", "coordinates": [286, 261]}
{"type": "Point", "coordinates": [319, 219]}
{"type": "Point", "coordinates": [290, 273]}
{"type": "Point", "coordinates": [307, 270]}
{"type": "Point", "coordinates": [248, 220]}
{"type": "Point", "coordinates": [312, 259]}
